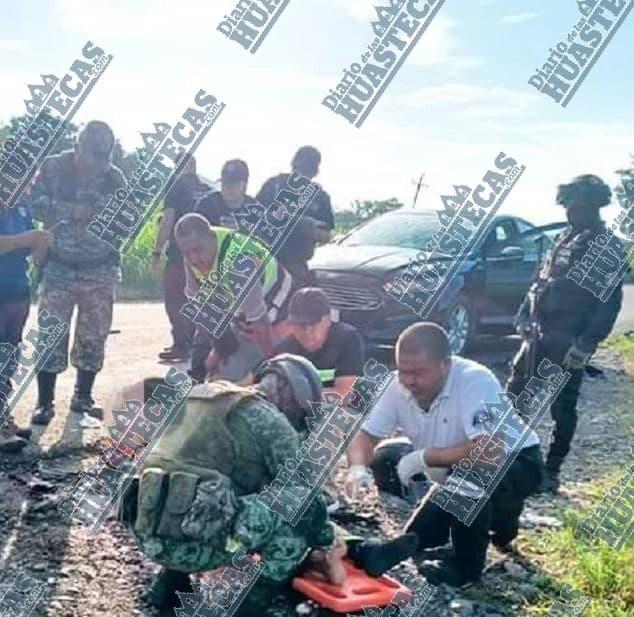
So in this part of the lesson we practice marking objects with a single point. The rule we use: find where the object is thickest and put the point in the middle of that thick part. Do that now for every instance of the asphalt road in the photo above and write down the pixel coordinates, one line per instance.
(625, 320)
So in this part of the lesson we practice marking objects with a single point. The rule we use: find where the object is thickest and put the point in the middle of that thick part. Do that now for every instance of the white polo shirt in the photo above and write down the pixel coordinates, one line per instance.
(455, 415)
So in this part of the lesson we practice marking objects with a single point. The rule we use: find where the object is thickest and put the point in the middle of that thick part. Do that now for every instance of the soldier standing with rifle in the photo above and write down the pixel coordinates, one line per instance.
(81, 270)
(563, 321)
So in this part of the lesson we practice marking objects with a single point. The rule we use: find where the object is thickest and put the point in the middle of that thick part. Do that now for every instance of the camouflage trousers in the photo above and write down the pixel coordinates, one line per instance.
(209, 529)
(93, 297)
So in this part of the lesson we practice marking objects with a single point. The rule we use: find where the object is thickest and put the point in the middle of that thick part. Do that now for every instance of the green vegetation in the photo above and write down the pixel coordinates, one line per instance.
(591, 566)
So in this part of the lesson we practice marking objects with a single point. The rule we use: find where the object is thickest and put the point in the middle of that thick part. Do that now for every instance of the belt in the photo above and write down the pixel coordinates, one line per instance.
(82, 263)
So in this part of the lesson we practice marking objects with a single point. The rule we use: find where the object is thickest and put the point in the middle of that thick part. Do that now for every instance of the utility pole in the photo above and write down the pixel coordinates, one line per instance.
(419, 185)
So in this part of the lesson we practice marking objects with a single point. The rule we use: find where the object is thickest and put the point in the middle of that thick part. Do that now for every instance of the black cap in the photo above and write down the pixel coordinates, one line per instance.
(308, 306)
(234, 171)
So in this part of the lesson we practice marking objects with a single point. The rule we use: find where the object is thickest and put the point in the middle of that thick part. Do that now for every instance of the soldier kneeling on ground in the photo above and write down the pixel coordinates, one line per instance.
(196, 501)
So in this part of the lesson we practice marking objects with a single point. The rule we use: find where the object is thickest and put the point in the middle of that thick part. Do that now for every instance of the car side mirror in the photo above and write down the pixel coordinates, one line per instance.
(512, 252)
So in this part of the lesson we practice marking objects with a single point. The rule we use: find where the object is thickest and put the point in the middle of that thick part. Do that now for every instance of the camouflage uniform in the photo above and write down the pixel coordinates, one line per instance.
(191, 520)
(81, 270)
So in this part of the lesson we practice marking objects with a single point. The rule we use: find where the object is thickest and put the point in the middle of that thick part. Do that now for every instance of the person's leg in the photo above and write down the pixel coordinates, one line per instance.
(182, 327)
(564, 414)
(59, 300)
(201, 347)
(470, 543)
(385, 460)
(13, 315)
(522, 479)
(94, 319)
(430, 523)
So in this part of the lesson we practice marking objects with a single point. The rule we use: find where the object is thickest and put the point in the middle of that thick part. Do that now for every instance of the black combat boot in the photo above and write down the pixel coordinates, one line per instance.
(446, 571)
(45, 409)
(162, 591)
(82, 398)
(550, 483)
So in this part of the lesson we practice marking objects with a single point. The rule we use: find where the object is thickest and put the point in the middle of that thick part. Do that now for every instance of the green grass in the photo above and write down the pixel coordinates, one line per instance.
(567, 556)
(138, 280)
(599, 572)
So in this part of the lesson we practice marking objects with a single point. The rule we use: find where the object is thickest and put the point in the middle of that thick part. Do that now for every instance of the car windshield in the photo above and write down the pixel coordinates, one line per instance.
(402, 229)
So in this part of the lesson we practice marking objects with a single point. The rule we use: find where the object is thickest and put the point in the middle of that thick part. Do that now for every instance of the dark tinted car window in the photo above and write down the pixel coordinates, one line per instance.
(402, 229)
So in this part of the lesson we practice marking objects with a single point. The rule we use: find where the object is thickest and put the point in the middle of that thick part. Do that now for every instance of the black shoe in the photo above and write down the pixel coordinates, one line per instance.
(10, 428)
(378, 556)
(80, 404)
(550, 483)
(43, 414)
(12, 445)
(437, 572)
(174, 353)
(162, 591)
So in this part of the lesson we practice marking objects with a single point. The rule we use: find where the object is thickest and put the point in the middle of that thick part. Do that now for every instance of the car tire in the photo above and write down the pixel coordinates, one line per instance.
(460, 325)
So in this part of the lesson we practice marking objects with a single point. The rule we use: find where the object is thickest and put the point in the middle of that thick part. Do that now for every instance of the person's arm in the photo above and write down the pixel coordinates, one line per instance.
(261, 333)
(349, 364)
(162, 236)
(34, 240)
(446, 457)
(361, 449)
(602, 321)
(41, 199)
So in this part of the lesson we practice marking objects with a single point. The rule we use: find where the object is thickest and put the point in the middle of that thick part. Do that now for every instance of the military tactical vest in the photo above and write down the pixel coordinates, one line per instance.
(198, 440)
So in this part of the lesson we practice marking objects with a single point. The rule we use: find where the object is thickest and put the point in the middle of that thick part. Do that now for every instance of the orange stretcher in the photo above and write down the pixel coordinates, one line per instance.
(358, 590)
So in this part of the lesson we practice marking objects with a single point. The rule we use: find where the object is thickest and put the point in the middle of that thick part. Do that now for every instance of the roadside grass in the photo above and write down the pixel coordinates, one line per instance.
(566, 555)
(624, 343)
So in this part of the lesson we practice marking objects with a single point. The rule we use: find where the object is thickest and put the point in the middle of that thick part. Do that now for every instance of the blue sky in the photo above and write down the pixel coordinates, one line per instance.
(460, 98)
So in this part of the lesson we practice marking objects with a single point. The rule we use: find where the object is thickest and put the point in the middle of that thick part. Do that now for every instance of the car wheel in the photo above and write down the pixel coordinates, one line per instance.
(460, 326)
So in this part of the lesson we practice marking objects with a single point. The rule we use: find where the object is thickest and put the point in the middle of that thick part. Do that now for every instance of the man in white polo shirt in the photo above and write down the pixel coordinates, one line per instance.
(438, 402)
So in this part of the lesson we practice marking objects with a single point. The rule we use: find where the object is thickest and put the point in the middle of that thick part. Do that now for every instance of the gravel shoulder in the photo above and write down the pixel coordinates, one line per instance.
(89, 575)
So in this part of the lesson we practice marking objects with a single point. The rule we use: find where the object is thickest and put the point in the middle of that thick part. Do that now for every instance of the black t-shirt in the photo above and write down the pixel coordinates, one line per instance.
(182, 198)
(299, 246)
(216, 210)
(341, 355)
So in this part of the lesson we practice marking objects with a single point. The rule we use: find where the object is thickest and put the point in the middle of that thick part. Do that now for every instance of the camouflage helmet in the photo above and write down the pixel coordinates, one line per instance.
(300, 377)
(585, 191)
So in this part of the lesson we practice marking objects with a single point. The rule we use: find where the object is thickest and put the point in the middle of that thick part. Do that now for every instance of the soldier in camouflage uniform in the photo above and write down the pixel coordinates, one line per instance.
(182, 512)
(81, 270)
(573, 320)
(196, 502)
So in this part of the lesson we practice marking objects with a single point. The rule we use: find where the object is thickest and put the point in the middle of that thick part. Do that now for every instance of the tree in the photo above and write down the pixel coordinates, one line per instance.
(65, 141)
(363, 211)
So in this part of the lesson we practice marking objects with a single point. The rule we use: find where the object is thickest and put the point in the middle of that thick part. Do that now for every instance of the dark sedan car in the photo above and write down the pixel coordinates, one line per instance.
(483, 296)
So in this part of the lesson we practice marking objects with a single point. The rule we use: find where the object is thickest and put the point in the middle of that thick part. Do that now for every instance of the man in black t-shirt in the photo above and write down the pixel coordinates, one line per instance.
(335, 348)
(315, 226)
(220, 207)
(179, 201)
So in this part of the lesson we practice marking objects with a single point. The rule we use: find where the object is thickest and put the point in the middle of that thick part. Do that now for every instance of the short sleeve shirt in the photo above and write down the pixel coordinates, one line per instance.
(341, 355)
(216, 210)
(299, 247)
(14, 281)
(182, 198)
(455, 416)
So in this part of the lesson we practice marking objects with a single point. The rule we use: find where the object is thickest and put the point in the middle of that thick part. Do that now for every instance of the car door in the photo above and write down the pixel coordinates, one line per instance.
(499, 265)
(534, 245)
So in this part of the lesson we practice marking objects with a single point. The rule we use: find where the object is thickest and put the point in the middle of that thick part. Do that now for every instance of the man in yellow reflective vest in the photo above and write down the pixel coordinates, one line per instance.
(231, 278)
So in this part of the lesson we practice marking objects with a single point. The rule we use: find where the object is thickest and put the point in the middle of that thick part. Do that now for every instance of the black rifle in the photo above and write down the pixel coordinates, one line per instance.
(532, 332)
